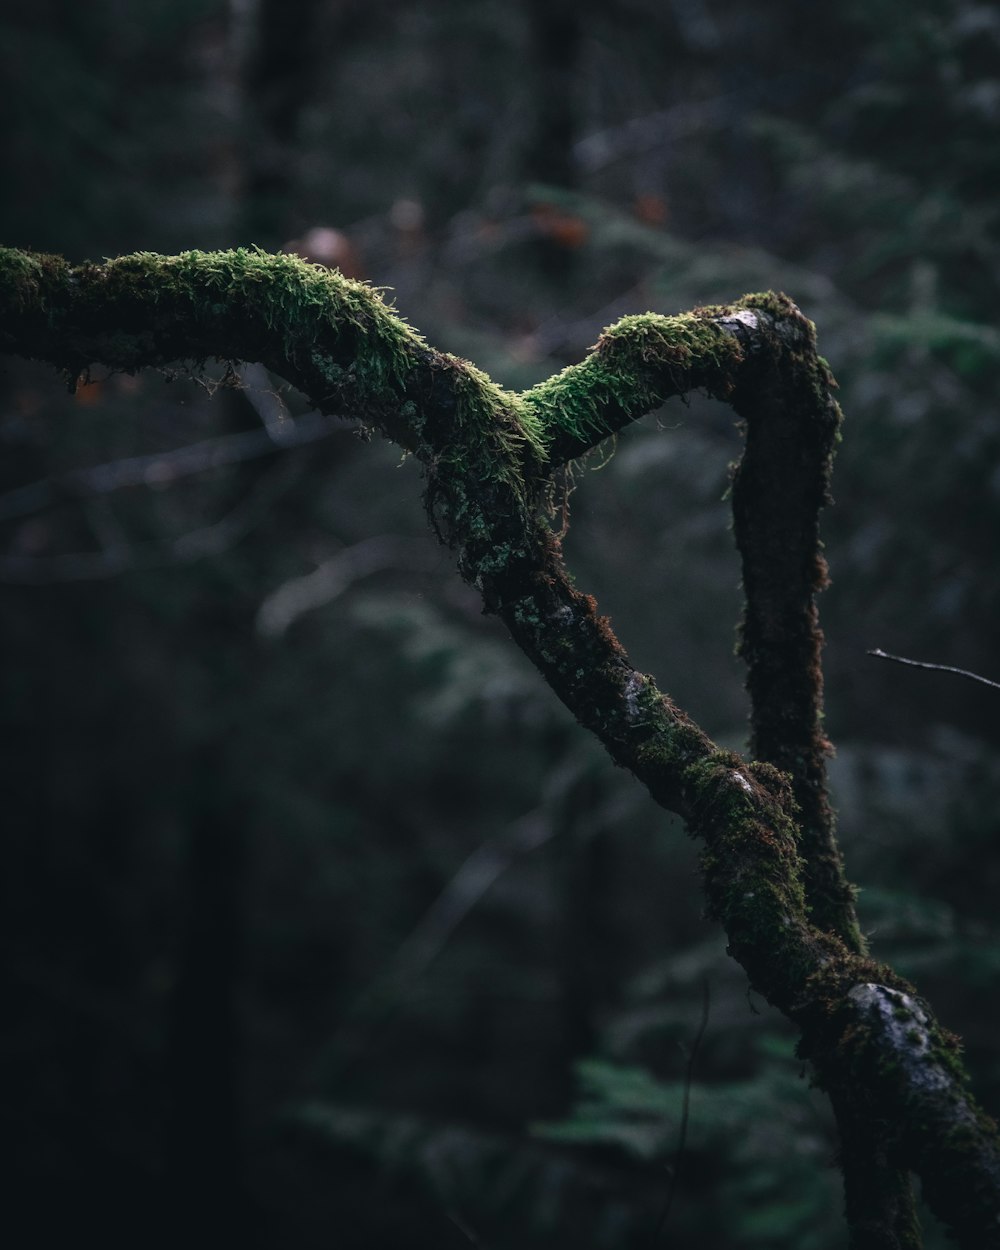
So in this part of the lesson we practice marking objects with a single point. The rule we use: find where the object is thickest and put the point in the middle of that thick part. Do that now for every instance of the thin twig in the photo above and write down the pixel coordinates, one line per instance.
(186, 548)
(685, 1109)
(163, 468)
(463, 1228)
(941, 668)
(287, 602)
(388, 992)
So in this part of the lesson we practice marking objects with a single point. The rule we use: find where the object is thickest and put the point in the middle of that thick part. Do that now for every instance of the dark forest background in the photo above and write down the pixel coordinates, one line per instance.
(324, 925)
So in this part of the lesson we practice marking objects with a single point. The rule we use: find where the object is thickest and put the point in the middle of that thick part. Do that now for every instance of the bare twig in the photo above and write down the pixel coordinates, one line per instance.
(468, 1233)
(299, 595)
(685, 1111)
(119, 557)
(163, 467)
(255, 383)
(659, 129)
(941, 668)
(383, 997)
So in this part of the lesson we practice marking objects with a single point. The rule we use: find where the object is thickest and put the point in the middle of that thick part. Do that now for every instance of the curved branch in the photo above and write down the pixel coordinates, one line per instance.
(333, 338)
(487, 454)
(779, 488)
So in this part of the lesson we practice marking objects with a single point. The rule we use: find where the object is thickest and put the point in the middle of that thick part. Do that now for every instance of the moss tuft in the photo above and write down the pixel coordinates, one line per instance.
(636, 365)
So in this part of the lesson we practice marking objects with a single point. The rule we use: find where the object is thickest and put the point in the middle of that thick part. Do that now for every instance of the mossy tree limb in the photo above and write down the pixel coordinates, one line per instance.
(772, 870)
(791, 422)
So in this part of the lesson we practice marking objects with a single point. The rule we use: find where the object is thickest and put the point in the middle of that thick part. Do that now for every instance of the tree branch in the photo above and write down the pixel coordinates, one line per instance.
(161, 467)
(938, 668)
(780, 485)
(119, 557)
(287, 602)
(487, 455)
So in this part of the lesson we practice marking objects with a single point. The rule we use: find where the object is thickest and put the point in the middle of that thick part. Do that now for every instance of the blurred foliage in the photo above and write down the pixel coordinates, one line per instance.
(305, 931)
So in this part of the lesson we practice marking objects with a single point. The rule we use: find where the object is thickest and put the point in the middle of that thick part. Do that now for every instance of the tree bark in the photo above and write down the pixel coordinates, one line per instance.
(772, 870)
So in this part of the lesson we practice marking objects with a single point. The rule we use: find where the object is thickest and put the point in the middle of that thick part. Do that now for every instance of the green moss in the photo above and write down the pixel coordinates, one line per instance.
(298, 301)
(485, 449)
(752, 869)
(779, 305)
(20, 276)
(29, 282)
(751, 862)
(668, 753)
(336, 337)
(636, 364)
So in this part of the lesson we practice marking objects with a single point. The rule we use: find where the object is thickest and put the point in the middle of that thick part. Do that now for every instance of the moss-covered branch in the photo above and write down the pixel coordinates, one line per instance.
(772, 871)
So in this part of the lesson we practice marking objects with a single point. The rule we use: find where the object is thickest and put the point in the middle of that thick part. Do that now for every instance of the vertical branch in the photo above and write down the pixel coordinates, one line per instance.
(780, 485)
(878, 1197)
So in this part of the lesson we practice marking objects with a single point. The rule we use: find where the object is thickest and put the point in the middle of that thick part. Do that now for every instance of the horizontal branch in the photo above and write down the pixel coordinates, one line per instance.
(333, 338)
(117, 557)
(642, 361)
(487, 452)
(160, 468)
(336, 338)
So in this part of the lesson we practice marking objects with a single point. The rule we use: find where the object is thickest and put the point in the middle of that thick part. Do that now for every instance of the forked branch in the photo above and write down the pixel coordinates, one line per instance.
(772, 870)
